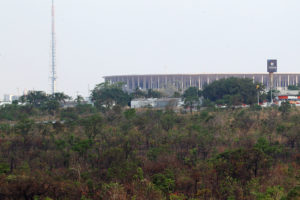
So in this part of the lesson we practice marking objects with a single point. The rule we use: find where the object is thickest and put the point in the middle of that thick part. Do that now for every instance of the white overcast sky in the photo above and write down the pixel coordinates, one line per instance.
(114, 37)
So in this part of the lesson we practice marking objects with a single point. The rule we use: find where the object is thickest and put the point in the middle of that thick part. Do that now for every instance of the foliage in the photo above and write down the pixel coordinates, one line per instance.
(272, 193)
(92, 125)
(232, 91)
(138, 93)
(294, 194)
(191, 98)
(43, 101)
(267, 96)
(153, 94)
(149, 154)
(16, 112)
(164, 181)
(293, 87)
(285, 108)
(106, 95)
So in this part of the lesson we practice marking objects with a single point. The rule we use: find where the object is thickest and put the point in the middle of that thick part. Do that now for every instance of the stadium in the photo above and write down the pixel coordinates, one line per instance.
(184, 81)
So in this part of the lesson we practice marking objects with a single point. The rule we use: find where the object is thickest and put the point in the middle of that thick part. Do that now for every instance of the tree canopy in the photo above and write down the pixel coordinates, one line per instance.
(106, 95)
(150, 154)
(43, 101)
(234, 91)
(191, 98)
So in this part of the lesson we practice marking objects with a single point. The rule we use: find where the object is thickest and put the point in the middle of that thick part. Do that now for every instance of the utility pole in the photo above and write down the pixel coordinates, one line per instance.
(53, 52)
(271, 85)
(272, 67)
(257, 88)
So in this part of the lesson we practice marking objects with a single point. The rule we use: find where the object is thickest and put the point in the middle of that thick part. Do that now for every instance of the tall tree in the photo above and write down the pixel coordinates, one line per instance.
(59, 97)
(154, 94)
(34, 98)
(106, 95)
(191, 98)
(138, 93)
(234, 91)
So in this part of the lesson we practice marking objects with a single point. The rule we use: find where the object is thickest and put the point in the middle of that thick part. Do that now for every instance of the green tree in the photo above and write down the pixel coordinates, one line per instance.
(285, 109)
(153, 94)
(234, 91)
(138, 93)
(164, 181)
(241, 164)
(24, 126)
(106, 95)
(191, 98)
(176, 94)
(59, 97)
(92, 125)
(42, 101)
(79, 99)
(35, 98)
(267, 96)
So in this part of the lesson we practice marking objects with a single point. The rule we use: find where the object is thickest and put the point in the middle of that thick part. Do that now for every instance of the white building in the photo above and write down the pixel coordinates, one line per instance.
(156, 103)
(10, 97)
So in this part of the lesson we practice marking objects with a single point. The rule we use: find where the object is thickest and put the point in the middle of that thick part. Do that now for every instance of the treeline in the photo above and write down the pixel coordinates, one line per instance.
(231, 92)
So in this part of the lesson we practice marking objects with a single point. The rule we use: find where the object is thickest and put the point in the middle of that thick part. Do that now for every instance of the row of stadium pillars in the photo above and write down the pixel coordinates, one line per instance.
(183, 82)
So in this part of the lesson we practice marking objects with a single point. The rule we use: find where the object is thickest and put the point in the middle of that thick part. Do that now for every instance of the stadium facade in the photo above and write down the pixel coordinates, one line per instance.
(184, 81)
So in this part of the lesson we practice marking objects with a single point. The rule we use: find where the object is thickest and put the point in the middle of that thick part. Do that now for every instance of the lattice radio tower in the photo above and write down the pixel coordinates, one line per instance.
(53, 75)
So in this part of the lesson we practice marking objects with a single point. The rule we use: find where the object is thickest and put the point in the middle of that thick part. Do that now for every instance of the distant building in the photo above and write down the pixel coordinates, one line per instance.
(292, 96)
(10, 98)
(156, 103)
(184, 81)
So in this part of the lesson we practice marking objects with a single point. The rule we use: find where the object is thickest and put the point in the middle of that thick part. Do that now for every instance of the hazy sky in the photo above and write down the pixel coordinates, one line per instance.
(111, 37)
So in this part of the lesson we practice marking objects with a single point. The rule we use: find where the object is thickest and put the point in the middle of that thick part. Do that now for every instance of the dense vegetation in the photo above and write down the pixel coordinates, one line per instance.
(111, 152)
(233, 91)
(125, 154)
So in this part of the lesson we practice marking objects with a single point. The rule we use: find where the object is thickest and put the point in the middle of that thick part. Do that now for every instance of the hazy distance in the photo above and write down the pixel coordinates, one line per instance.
(108, 37)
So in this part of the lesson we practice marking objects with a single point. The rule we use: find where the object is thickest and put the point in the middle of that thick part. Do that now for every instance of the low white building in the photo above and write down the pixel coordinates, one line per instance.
(157, 103)
(10, 97)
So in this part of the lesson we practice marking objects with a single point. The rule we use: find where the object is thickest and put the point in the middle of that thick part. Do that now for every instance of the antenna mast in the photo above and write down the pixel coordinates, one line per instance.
(53, 53)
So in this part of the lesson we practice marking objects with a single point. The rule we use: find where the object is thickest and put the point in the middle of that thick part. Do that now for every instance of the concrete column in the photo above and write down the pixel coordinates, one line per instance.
(190, 81)
(173, 81)
(262, 79)
(253, 78)
(166, 82)
(127, 82)
(199, 84)
(182, 82)
(288, 80)
(151, 82)
(294, 80)
(280, 81)
(207, 80)
(158, 83)
(133, 83)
